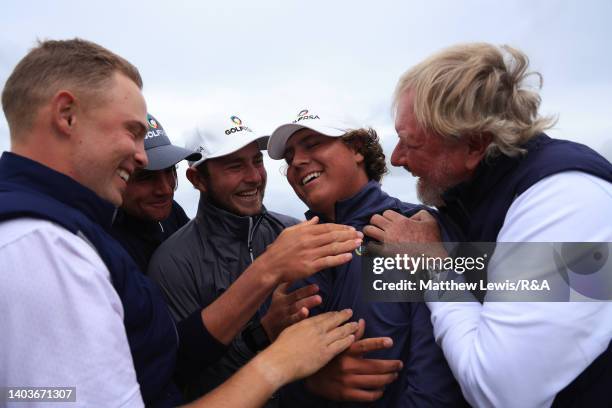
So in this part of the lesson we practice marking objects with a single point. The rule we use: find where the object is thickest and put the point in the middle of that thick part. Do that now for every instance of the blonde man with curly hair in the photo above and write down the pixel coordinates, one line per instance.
(470, 130)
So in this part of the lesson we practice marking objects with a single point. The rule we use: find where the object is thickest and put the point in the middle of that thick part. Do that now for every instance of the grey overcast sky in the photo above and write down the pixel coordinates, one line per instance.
(264, 61)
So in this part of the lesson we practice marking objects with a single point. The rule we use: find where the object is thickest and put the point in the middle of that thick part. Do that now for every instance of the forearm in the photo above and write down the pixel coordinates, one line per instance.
(251, 386)
(518, 354)
(226, 316)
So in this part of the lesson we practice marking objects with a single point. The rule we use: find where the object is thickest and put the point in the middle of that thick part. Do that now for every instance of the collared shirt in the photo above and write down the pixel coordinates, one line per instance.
(29, 189)
(62, 320)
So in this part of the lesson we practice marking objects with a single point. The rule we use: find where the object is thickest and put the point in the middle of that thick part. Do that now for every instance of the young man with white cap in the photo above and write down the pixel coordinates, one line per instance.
(149, 214)
(209, 255)
(335, 169)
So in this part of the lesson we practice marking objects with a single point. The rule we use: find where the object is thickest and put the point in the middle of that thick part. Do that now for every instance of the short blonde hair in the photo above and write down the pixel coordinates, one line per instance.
(74, 64)
(470, 90)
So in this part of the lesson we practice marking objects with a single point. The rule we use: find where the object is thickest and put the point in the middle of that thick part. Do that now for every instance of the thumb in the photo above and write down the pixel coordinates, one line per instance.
(360, 330)
(314, 220)
(282, 288)
(422, 215)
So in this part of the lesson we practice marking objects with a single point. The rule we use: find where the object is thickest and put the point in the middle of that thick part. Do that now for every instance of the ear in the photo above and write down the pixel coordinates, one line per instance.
(196, 179)
(476, 149)
(359, 159)
(64, 108)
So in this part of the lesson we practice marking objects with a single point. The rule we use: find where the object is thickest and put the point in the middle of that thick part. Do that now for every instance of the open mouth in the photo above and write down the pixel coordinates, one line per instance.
(125, 176)
(310, 177)
(248, 194)
(161, 203)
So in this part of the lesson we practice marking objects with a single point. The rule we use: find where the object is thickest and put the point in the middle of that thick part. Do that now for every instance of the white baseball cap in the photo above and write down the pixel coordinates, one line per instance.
(306, 119)
(224, 135)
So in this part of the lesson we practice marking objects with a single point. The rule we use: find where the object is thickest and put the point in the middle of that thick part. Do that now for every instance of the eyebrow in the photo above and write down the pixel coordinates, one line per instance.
(136, 127)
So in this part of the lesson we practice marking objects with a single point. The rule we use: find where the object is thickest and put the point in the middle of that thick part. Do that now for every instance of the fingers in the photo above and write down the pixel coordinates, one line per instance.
(371, 381)
(331, 261)
(283, 288)
(360, 395)
(314, 220)
(360, 330)
(336, 248)
(372, 344)
(320, 240)
(307, 303)
(320, 229)
(340, 345)
(393, 216)
(374, 232)
(370, 366)
(328, 321)
(302, 292)
(422, 215)
(298, 316)
(381, 221)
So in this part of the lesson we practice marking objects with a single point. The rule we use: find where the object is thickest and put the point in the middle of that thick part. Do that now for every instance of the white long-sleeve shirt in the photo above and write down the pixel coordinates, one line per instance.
(61, 320)
(522, 354)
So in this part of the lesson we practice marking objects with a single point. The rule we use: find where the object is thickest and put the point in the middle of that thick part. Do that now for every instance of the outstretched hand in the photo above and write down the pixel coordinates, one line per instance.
(305, 347)
(352, 377)
(306, 248)
(288, 308)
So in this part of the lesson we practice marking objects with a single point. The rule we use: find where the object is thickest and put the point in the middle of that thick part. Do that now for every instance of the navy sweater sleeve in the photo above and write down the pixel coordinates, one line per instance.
(197, 347)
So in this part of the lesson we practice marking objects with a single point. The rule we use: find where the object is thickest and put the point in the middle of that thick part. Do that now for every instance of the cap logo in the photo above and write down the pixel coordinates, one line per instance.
(152, 123)
(303, 115)
(238, 128)
(203, 150)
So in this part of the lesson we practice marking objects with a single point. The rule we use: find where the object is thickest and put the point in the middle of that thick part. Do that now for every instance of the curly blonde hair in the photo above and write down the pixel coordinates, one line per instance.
(471, 90)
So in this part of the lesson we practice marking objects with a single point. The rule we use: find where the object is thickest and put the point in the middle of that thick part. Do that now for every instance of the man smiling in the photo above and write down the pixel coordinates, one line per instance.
(77, 122)
(232, 228)
(336, 172)
(149, 215)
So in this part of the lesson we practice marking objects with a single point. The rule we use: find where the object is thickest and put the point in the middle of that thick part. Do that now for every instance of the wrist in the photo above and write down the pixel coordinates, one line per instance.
(267, 274)
(271, 370)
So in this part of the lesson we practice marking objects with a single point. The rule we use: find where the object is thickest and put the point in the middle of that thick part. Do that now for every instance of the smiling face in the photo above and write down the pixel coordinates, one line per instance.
(149, 194)
(236, 182)
(109, 144)
(323, 170)
(438, 162)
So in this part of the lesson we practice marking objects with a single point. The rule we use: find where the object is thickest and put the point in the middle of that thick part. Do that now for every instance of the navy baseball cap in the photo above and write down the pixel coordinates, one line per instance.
(160, 152)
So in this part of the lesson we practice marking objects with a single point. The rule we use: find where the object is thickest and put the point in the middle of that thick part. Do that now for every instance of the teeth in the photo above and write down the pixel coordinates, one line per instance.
(247, 193)
(310, 176)
(124, 175)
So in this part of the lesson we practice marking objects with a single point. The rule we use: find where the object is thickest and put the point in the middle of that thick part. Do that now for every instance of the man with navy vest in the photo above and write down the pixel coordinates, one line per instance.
(149, 214)
(469, 129)
(76, 311)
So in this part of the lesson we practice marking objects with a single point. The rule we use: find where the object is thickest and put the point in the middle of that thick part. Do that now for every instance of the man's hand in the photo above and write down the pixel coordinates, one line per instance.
(305, 347)
(289, 308)
(393, 228)
(304, 249)
(351, 377)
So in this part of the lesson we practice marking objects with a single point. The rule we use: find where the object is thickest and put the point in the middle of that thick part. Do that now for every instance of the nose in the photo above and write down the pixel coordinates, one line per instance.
(165, 182)
(141, 156)
(300, 157)
(252, 174)
(398, 158)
